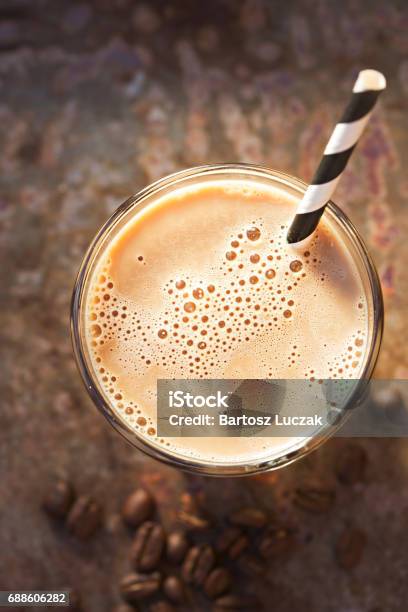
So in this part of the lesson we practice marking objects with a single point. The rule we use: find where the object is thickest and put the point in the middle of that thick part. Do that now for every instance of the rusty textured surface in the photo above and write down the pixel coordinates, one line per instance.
(98, 99)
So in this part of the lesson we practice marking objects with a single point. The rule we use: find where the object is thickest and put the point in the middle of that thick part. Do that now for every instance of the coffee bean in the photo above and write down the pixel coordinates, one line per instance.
(217, 582)
(147, 546)
(176, 547)
(349, 547)
(236, 602)
(173, 588)
(276, 542)
(138, 507)
(197, 564)
(59, 498)
(232, 542)
(85, 517)
(161, 606)
(314, 497)
(249, 517)
(136, 587)
(351, 464)
(192, 521)
(191, 514)
(227, 537)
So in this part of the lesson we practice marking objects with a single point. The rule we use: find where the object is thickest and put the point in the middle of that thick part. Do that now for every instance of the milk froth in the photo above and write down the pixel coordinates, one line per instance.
(201, 283)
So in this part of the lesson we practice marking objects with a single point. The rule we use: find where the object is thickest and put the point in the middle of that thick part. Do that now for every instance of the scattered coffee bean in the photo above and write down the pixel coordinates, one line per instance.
(232, 542)
(85, 517)
(193, 521)
(249, 517)
(177, 546)
(236, 602)
(138, 507)
(173, 588)
(349, 547)
(147, 546)
(351, 464)
(161, 606)
(197, 564)
(136, 587)
(276, 542)
(217, 582)
(59, 498)
(315, 497)
(191, 514)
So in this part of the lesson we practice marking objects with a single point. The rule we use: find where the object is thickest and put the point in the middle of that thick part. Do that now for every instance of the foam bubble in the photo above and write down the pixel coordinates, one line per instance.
(189, 307)
(296, 265)
(253, 233)
(198, 293)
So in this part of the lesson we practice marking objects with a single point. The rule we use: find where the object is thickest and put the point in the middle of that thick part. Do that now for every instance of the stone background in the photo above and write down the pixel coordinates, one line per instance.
(99, 98)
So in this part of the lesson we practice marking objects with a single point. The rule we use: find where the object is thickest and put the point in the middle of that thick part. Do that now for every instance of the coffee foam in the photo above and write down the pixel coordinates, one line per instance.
(202, 284)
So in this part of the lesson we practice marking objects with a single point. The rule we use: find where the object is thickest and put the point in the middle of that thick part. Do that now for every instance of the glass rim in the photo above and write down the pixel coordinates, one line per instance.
(188, 463)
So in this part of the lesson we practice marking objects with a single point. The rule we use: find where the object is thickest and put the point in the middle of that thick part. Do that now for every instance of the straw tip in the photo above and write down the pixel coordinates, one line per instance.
(297, 239)
(370, 80)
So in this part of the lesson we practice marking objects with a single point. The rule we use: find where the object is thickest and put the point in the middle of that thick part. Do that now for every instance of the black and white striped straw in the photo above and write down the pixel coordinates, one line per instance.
(342, 142)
